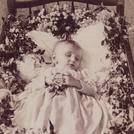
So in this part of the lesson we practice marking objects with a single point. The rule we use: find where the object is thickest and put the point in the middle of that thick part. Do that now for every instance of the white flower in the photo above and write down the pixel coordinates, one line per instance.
(4, 93)
(32, 21)
(65, 15)
(2, 46)
(41, 12)
(12, 30)
(56, 7)
(55, 28)
(65, 6)
(58, 14)
(42, 16)
(38, 18)
(123, 56)
(52, 14)
(49, 30)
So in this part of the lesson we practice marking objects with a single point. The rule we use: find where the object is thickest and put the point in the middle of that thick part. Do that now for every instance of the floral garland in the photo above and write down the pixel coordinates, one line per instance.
(62, 22)
(120, 89)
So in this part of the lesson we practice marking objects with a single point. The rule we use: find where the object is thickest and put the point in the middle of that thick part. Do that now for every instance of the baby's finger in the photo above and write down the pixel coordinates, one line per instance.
(68, 75)
(64, 79)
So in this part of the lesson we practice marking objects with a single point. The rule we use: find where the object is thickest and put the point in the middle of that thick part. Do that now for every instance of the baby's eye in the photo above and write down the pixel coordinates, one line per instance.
(68, 54)
(77, 58)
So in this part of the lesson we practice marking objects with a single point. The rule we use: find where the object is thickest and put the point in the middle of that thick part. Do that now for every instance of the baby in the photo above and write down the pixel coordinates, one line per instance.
(64, 96)
(67, 57)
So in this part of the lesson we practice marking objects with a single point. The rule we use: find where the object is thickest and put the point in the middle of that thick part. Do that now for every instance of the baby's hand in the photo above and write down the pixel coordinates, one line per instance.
(48, 81)
(71, 81)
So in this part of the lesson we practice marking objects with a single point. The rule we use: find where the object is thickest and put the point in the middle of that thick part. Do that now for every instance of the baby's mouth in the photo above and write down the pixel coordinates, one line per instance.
(71, 66)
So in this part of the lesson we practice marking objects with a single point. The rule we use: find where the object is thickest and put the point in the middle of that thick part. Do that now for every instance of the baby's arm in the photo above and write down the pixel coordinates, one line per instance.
(88, 88)
(88, 84)
(81, 85)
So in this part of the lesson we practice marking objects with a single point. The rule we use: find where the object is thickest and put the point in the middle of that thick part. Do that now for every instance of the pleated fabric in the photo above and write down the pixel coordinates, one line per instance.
(70, 112)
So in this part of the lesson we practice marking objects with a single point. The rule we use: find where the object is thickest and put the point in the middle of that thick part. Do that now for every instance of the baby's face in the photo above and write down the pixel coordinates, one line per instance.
(68, 56)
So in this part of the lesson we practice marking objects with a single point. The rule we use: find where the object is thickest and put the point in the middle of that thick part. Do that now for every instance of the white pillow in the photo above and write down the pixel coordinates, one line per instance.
(4, 93)
(27, 68)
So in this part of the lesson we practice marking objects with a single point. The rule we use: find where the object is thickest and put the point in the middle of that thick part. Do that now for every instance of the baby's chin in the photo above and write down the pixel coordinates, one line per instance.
(71, 67)
(67, 67)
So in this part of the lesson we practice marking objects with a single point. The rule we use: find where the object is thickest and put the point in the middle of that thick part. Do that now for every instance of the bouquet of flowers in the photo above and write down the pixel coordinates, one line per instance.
(57, 84)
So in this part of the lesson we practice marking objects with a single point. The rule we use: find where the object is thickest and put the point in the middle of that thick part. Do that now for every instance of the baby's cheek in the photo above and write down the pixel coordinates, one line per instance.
(77, 66)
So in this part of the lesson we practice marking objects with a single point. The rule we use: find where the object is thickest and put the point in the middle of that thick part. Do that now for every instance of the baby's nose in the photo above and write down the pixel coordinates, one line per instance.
(72, 58)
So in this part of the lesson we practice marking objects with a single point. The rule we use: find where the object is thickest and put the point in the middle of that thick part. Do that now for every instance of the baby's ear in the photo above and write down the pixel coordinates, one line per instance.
(53, 56)
(54, 61)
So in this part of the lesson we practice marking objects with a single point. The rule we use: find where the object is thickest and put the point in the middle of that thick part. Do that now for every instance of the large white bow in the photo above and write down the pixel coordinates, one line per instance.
(89, 39)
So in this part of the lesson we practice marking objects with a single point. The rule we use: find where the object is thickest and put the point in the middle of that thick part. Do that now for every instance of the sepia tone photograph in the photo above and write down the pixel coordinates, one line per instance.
(66, 67)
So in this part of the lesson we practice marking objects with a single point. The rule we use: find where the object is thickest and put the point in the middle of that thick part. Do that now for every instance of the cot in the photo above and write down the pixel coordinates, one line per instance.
(13, 5)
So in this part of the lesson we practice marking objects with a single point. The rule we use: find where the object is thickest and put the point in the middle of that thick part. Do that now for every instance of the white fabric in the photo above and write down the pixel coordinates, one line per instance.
(27, 68)
(70, 112)
(4, 93)
(90, 39)
(44, 40)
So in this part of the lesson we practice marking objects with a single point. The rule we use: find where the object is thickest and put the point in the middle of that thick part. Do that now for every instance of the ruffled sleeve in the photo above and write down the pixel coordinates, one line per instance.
(88, 86)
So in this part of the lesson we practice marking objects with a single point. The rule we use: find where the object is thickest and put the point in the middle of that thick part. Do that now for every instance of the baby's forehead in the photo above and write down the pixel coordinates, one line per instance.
(67, 46)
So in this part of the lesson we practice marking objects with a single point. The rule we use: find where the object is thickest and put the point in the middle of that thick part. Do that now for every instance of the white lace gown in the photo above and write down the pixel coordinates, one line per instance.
(71, 112)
